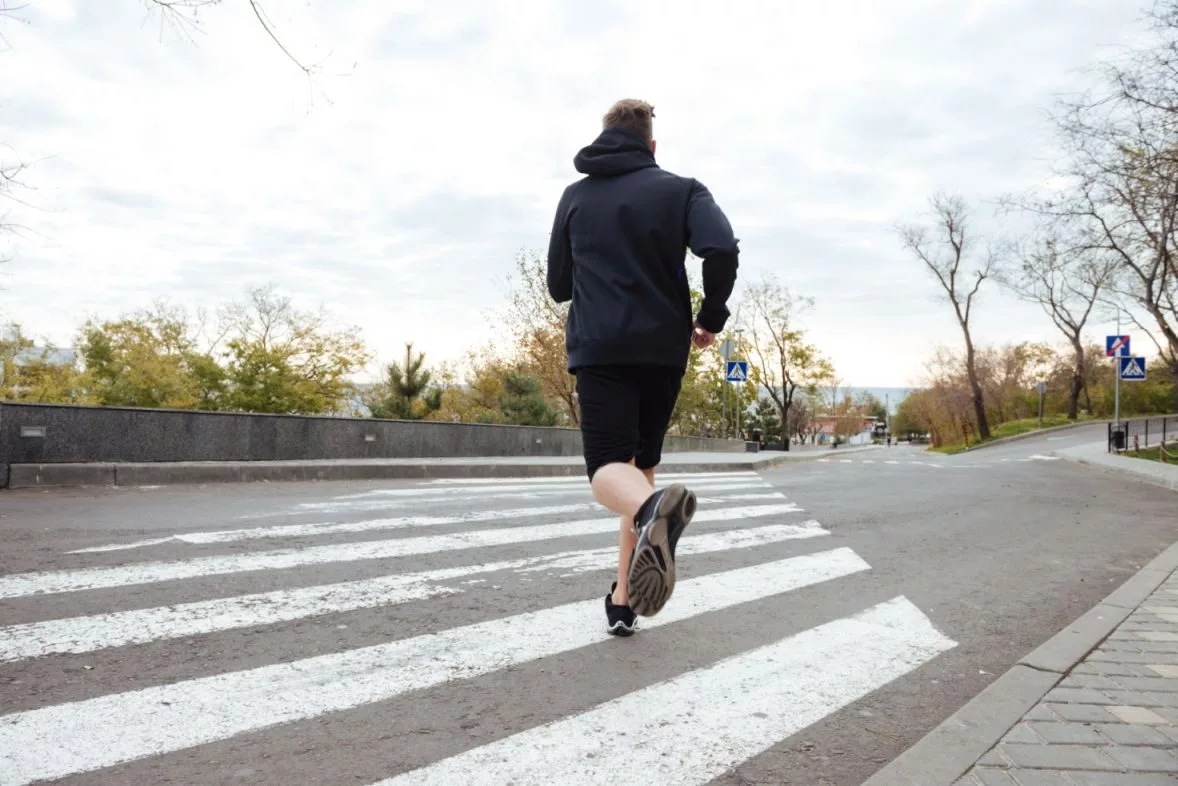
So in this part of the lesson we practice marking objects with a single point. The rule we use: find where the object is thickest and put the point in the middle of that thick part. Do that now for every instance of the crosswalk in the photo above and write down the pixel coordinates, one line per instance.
(443, 552)
(949, 462)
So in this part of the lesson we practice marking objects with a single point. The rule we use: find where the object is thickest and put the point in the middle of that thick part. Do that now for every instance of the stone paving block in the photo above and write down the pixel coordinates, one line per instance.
(1143, 759)
(1163, 647)
(1134, 698)
(1023, 733)
(1120, 779)
(1133, 734)
(1148, 684)
(1056, 733)
(1159, 635)
(993, 759)
(1164, 670)
(1038, 778)
(1138, 715)
(1110, 669)
(1059, 757)
(1105, 656)
(1095, 682)
(1044, 713)
(1082, 713)
(1078, 696)
(987, 777)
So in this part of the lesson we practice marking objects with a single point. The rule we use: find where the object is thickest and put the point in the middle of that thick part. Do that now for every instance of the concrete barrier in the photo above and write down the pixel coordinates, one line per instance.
(43, 434)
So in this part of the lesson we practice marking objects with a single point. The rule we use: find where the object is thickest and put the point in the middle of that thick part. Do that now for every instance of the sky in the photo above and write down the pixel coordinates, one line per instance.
(431, 146)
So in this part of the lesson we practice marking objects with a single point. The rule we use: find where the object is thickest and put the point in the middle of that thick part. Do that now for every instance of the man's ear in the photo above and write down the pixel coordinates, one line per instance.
(653, 145)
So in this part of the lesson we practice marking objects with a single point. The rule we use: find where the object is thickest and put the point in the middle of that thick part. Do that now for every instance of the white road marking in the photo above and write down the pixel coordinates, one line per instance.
(116, 629)
(1038, 457)
(77, 737)
(677, 477)
(372, 525)
(697, 726)
(547, 485)
(421, 497)
(891, 462)
(43, 582)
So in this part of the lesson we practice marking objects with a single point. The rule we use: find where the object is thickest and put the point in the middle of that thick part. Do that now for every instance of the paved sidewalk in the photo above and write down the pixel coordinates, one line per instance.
(1112, 720)
(1097, 455)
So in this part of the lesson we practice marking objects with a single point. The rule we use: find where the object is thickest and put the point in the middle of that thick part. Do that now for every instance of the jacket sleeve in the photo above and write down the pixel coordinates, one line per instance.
(710, 237)
(560, 254)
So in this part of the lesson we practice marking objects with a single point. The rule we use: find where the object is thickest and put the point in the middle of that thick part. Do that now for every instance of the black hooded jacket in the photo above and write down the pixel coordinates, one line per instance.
(618, 250)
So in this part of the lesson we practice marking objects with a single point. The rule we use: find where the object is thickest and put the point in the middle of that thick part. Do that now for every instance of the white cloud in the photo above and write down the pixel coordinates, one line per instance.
(194, 169)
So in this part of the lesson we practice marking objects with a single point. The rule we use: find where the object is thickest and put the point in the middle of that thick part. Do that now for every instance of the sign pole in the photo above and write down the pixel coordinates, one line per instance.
(1117, 374)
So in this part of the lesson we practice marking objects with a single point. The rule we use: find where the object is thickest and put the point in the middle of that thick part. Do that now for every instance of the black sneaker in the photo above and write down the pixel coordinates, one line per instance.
(621, 618)
(660, 522)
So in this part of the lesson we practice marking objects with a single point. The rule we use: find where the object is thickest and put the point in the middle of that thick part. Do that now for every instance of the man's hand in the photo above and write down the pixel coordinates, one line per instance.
(702, 338)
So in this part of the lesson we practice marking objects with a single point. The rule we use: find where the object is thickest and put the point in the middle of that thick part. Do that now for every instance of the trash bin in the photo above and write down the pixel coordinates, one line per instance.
(1119, 439)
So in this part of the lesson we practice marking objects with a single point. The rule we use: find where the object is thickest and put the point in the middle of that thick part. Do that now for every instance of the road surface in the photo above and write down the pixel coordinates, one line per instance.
(452, 632)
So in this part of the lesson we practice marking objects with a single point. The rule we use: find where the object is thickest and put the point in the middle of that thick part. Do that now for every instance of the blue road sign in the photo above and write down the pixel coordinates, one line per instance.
(1116, 346)
(1132, 369)
(738, 371)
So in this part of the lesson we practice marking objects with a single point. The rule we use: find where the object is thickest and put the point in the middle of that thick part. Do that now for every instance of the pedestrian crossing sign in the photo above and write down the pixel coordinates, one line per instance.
(738, 371)
(1132, 369)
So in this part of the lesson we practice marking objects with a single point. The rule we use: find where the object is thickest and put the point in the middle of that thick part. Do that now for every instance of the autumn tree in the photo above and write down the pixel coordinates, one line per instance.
(42, 374)
(1066, 281)
(947, 250)
(785, 363)
(407, 391)
(280, 359)
(149, 358)
(536, 326)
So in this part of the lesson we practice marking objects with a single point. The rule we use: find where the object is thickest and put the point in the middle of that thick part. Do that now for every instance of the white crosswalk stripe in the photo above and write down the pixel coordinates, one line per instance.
(753, 545)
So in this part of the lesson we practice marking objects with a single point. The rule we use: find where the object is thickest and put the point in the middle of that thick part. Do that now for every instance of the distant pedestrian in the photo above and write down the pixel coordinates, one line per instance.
(617, 252)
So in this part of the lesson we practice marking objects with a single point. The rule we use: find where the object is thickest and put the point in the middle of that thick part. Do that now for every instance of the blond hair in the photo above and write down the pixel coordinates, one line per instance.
(633, 115)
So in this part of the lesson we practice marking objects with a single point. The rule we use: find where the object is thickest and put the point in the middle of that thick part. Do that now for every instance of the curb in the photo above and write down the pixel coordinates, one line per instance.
(946, 753)
(27, 476)
(1032, 434)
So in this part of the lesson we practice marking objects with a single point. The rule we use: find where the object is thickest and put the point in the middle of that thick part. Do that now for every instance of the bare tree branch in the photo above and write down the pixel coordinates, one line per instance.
(946, 258)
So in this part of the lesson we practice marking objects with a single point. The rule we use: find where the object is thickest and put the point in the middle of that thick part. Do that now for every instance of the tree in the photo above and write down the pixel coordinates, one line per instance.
(184, 15)
(42, 374)
(150, 358)
(281, 360)
(1066, 282)
(1118, 173)
(406, 392)
(784, 362)
(522, 402)
(946, 258)
(537, 327)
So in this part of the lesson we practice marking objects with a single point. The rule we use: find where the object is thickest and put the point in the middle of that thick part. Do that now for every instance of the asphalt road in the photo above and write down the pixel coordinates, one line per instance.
(828, 615)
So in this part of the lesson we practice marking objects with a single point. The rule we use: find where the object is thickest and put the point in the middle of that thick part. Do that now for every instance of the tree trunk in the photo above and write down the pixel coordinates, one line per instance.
(979, 404)
(1077, 380)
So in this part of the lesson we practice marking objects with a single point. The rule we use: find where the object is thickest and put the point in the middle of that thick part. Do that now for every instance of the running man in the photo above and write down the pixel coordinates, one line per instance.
(617, 252)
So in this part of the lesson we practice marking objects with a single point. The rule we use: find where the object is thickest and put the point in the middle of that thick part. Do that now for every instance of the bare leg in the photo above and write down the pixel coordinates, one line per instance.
(623, 488)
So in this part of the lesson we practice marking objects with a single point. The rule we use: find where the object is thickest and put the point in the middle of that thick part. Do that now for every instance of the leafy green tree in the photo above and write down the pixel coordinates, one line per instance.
(280, 359)
(148, 359)
(37, 374)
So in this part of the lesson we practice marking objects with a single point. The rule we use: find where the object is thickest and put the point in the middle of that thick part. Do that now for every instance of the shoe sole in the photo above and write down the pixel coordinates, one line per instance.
(620, 629)
(652, 568)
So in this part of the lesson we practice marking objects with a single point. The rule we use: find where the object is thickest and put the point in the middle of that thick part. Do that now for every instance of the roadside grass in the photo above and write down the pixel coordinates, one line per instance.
(1011, 428)
(1155, 453)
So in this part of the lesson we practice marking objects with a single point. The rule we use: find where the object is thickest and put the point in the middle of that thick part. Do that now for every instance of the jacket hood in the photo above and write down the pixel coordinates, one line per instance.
(613, 153)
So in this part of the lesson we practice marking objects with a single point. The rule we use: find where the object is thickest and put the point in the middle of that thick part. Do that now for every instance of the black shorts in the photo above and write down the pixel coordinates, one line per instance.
(625, 411)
